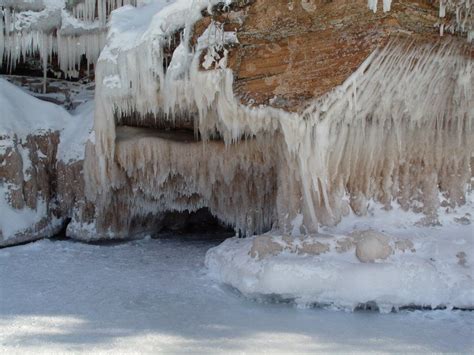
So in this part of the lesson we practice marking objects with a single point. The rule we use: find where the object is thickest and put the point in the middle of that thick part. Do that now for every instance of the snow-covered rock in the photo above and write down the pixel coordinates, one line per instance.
(426, 267)
(41, 154)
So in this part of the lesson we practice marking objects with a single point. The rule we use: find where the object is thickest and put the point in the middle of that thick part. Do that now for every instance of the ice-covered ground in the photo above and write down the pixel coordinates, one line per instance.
(155, 296)
(388, 259)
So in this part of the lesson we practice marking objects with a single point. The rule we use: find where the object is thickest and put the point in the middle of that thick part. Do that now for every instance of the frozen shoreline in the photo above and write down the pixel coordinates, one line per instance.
(155, 296)
(387, 260)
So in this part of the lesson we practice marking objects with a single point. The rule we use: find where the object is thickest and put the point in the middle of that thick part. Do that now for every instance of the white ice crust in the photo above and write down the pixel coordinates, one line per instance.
(427, 266)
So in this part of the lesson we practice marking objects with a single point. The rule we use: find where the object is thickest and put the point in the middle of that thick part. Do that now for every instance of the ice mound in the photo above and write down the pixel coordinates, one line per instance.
(433, 268)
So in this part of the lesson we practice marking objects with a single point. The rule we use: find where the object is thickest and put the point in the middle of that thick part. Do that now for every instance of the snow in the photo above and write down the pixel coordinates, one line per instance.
(154, 296)
(12, 220)
(76, 133)
(421, 266)
(22, 114)
(68, 94)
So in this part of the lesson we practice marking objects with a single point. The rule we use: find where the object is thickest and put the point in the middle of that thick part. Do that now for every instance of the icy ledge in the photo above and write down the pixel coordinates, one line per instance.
(387, 268)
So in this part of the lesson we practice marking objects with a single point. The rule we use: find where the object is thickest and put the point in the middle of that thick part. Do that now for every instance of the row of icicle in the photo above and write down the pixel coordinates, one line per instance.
(71, 31)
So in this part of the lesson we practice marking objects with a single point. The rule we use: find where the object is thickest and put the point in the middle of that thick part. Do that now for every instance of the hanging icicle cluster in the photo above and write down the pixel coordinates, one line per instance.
(463, 17)
(72, 30)
(90, 10)
(461, 10)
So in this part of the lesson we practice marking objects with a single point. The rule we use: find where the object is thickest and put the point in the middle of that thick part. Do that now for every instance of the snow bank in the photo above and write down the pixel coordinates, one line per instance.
(425, 267)
(22, 115)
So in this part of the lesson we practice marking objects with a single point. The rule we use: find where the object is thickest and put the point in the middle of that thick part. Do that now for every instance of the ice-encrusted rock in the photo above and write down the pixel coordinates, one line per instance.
(263, 246)
(26, 176)
(313, 248)
(296, 105)
(437, 274)
(405, 245)
(312, 97)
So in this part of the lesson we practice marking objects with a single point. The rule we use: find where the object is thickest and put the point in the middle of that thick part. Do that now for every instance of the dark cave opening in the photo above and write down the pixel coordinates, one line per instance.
(192, 225)
(200, 224)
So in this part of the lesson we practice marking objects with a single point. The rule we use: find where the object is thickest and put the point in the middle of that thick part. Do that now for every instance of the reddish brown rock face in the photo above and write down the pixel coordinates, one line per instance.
(291, 51)
(32, 174)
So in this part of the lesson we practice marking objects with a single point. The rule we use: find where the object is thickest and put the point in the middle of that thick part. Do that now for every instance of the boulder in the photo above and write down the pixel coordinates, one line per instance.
(372, 246)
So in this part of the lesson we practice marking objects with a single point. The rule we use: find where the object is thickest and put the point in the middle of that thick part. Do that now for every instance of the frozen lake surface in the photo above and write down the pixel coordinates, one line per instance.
(155, 296)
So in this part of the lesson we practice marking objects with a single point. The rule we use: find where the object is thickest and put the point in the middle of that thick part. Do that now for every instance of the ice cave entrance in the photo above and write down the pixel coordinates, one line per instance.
(187, 223)
(166, 166)
(198, 224)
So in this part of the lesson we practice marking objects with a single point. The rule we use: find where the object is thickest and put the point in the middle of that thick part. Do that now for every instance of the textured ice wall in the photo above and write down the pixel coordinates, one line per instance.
(163, 172)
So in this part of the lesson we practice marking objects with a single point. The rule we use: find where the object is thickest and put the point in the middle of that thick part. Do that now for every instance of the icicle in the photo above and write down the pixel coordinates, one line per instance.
(2, 36)
(442, 9)
(23, 38)
(372, 4)
(44, 57)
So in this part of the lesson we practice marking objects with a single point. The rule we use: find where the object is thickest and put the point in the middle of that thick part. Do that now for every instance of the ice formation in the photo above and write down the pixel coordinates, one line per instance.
(76, 29)
(72, 30)
(355, 265)
(399, 129)
(463, 16)
(462, 11)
